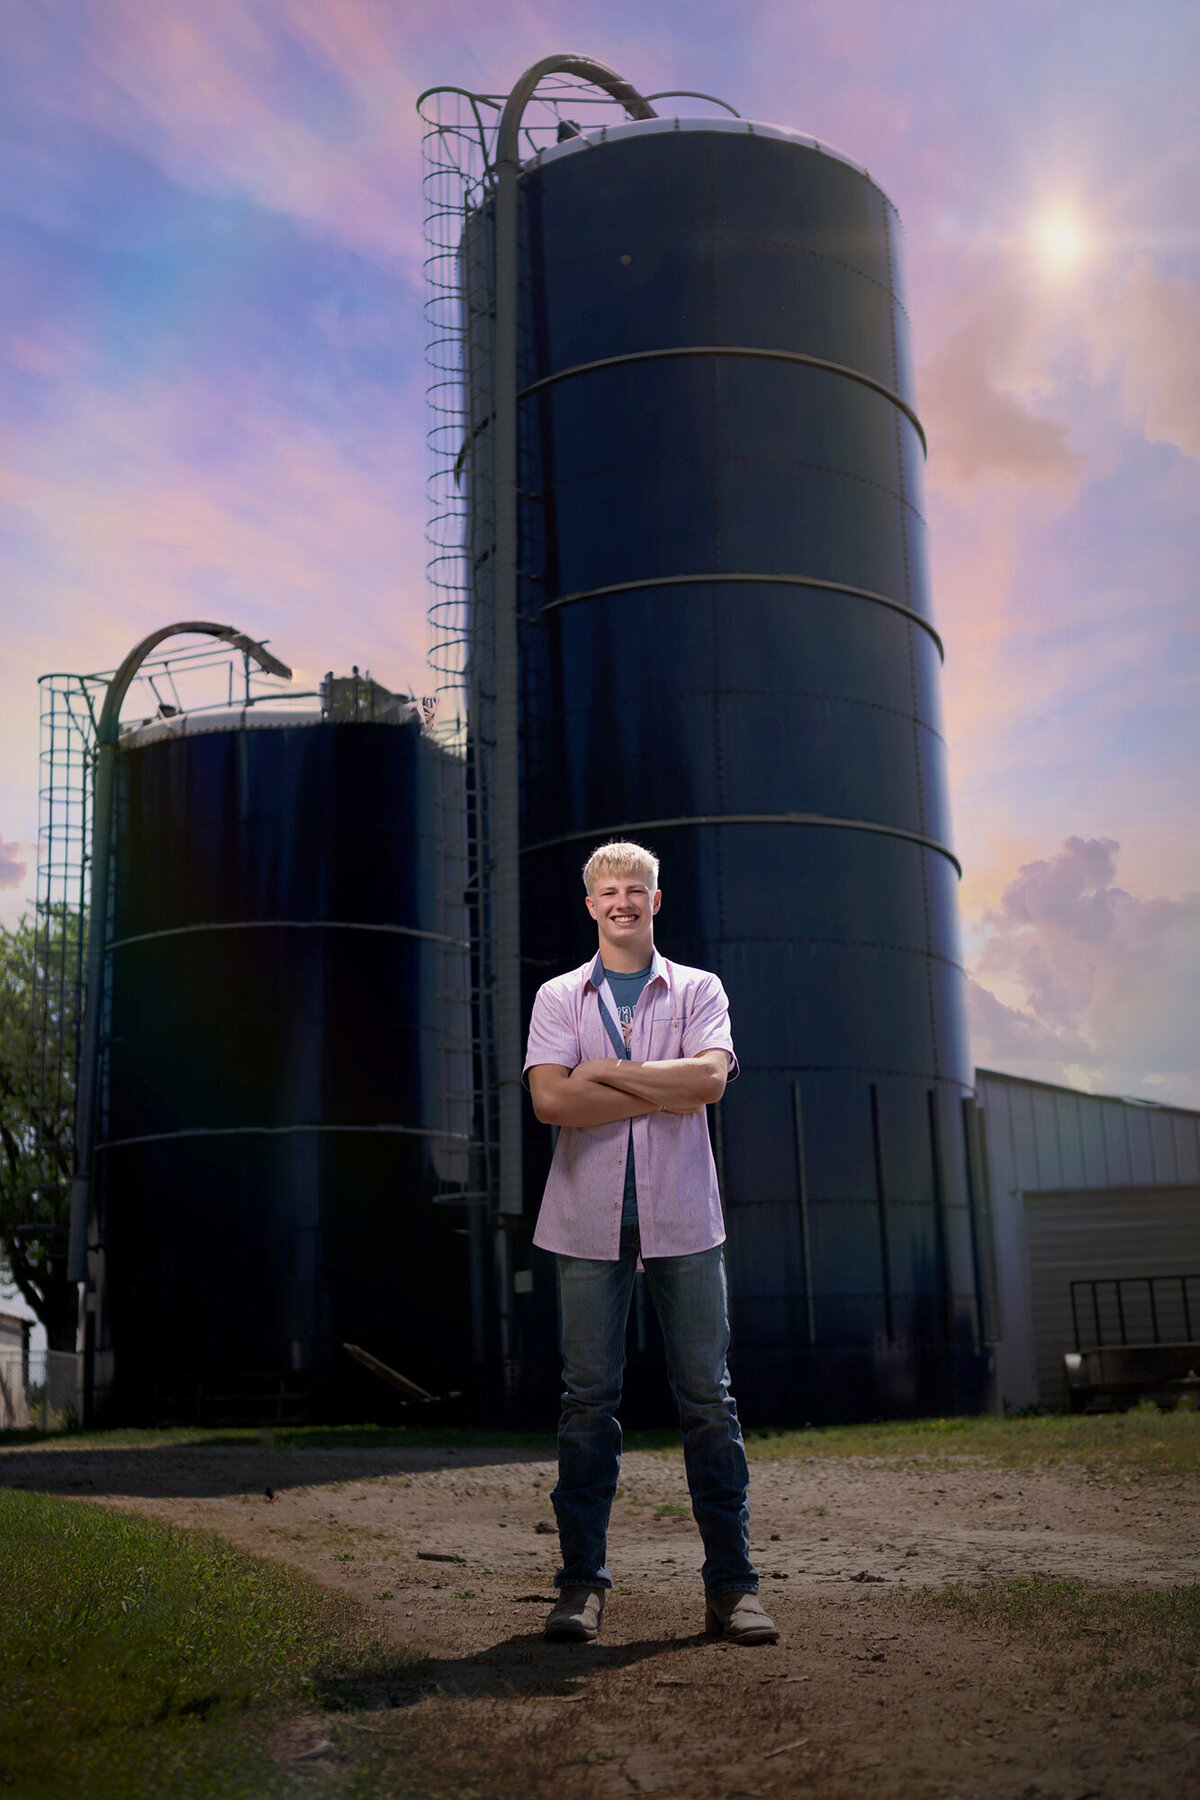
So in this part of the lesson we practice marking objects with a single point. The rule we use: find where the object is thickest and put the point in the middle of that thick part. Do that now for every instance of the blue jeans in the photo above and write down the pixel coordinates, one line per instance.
(690, 1300)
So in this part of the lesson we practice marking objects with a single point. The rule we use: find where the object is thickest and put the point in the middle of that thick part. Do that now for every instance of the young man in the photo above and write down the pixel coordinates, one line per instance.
(624, 1055)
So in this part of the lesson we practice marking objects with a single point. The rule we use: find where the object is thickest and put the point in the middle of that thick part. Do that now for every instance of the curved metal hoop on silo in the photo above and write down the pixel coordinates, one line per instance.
(788, 356)
(603, 833)
(725, 576)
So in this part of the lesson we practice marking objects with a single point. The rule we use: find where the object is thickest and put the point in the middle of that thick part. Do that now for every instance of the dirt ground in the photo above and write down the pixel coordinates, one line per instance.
(868, 1693)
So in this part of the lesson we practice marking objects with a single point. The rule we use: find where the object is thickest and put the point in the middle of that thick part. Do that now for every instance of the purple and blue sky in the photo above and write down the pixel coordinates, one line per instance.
(212, 381)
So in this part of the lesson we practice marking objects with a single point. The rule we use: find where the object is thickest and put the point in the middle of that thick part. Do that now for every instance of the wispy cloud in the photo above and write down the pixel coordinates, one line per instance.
(121, 515)
(126, 512)
(305, 109)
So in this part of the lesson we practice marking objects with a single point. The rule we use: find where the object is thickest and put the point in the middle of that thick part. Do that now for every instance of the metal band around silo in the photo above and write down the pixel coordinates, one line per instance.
(788, 356)
(809, 581)
(147, 937)
(225, 1131)
(600, 832)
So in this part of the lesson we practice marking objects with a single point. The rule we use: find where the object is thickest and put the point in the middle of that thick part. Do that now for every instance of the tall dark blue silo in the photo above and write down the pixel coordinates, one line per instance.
(274, 1124)
(726, 652)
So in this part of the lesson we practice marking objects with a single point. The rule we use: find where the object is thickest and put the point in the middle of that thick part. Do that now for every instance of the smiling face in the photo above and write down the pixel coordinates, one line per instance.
(623, 906)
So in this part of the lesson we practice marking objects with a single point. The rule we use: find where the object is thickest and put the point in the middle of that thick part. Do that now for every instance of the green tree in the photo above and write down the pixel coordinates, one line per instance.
(38, 1033)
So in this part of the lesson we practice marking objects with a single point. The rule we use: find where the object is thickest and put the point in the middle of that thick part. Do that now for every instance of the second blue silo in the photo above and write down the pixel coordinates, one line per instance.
(727, 653)
(278, 1118)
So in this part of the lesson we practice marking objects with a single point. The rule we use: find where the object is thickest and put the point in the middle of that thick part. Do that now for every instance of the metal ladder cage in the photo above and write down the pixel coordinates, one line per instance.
(458, 152)
(458, 182)
(70, 707)
(186, 680)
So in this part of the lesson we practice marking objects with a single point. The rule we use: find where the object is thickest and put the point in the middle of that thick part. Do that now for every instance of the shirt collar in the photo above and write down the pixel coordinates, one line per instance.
(660, 970)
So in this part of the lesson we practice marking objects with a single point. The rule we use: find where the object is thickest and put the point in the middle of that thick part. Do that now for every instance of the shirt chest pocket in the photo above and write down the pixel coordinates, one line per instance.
(665, 1038)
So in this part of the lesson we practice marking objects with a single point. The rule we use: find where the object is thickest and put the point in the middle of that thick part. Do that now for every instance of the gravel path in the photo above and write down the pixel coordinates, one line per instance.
(455, 1553)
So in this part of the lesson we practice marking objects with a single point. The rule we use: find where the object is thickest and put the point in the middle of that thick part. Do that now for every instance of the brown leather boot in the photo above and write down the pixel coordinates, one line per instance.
(577, 1616)
(740, 1618)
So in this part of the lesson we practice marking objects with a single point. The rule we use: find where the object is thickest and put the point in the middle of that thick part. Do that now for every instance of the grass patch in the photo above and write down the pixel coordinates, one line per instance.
(139, 1662)
(1144, 1440)
(1103, 1643)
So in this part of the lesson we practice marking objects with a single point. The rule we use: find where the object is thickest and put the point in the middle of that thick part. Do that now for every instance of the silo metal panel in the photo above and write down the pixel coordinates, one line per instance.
(847, 1250)
(622, 445)
(726, 227)
(839, 1161)
(913, 1252)
(960, 1253)
(767, 1259)
(694, 712)
(759, 1140)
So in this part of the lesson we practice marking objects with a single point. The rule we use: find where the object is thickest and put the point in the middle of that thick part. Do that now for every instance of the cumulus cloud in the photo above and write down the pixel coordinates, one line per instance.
(12, 866)
(980, 424)
(1076, 975)
(1150, 334)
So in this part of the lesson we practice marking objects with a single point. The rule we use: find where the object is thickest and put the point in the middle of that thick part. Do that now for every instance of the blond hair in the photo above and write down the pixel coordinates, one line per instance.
(620, 858)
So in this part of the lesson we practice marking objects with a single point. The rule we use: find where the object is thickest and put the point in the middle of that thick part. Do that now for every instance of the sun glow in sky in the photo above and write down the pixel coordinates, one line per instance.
(212, 382)
(1061, 241)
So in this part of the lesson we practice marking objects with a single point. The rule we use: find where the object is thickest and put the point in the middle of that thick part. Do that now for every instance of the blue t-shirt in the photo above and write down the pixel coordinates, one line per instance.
(626, 990)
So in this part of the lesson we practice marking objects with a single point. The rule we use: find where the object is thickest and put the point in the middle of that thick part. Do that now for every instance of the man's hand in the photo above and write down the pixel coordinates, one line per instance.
(683, 1084)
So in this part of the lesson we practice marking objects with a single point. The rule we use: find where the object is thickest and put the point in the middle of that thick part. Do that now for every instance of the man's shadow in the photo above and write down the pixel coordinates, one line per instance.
(521, 1667)
(216, 1468)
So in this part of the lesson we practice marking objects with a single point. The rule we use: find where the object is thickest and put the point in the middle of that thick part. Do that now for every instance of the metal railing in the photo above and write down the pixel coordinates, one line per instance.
(1135, 1309)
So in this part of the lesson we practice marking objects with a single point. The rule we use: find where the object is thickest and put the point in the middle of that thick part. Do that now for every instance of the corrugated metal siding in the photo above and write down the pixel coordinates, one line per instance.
(1187, 1146)
(1162, 1147)
(1074, 1161)
(1047, 1150)
(1137, 1125)
(1043, 1139)
(1014, 1351)
(1090, 1234)
(1116, 1143)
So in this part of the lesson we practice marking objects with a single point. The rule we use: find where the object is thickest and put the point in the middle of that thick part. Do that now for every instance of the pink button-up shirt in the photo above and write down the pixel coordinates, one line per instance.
(679, 1013)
